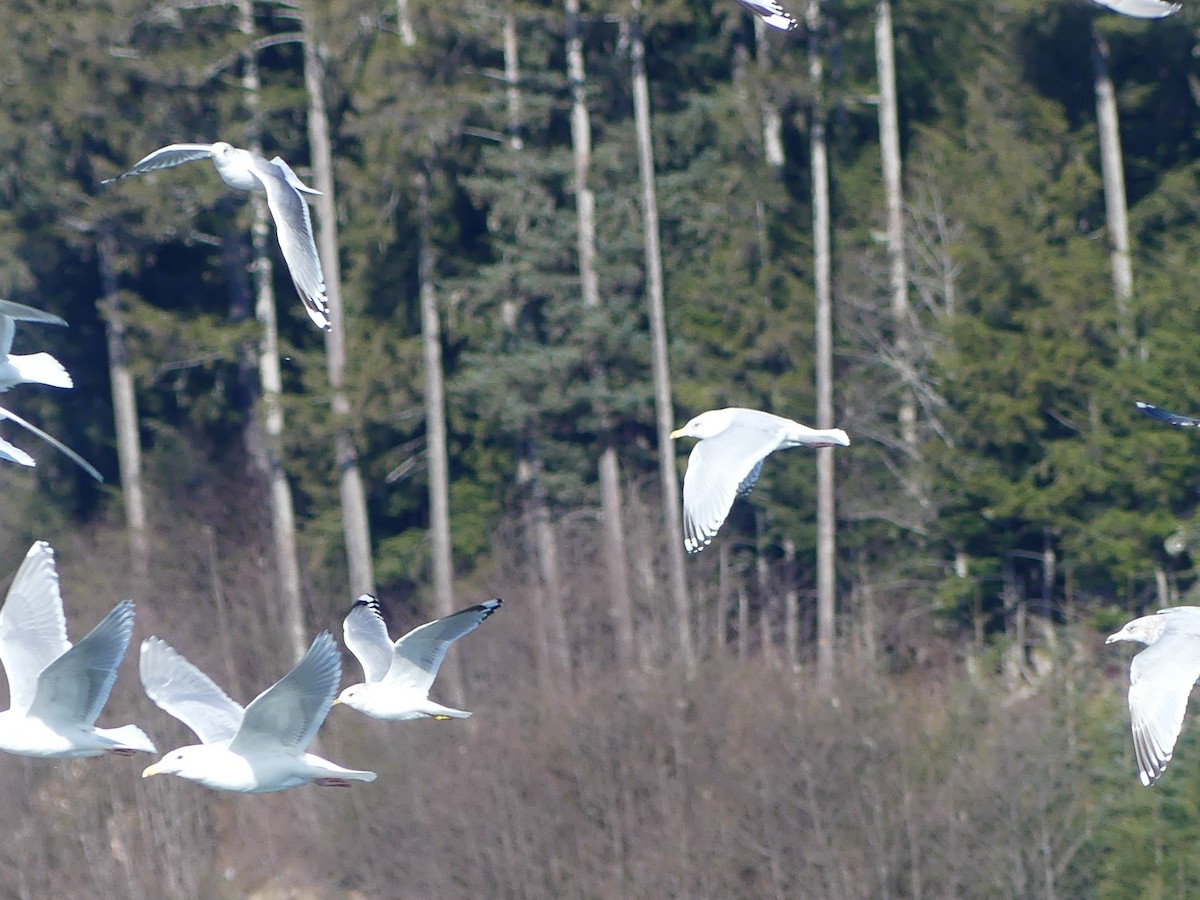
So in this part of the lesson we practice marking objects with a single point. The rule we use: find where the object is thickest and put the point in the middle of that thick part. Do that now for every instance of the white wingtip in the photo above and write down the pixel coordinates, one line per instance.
(41, 368)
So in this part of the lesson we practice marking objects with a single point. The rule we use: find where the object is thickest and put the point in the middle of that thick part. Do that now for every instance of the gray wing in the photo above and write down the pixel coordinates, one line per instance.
(166, 158)
(771, 13)
(720, 468)
(286, 715)
(1141, 9)
(293, 228)
(53, 442)
(365, 634)
(23, 313)
(1160, 681)
(14, 454)
(179, 689)
(74, 688)
(33, 630)
(419, 654)
(1161, 415)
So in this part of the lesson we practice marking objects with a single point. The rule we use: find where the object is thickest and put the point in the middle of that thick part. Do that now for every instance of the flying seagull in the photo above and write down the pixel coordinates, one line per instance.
(726, 462)
(1162, 415)
(772, 13)
(1160, 680)
(398, 676)
(248, 171)
(57, 691)
(1141, 9)
(256, 750)
(37, 368)
(14, 454)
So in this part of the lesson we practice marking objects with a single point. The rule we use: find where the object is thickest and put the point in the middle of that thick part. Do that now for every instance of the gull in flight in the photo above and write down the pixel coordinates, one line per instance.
(398, 676)
(256, 750)
(248, 171)
(1141, 9)
(772, 13)
(34, 368)
(728, 458)
(57, 691)
(1162, 415)
(17, 455)
(1160, 681)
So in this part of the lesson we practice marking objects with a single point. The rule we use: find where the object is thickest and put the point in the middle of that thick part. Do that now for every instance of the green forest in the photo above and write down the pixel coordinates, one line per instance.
(500, 210)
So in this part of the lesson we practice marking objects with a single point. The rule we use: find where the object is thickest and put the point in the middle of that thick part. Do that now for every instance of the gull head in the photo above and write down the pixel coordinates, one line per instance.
(1145, 630)
(222, 148)
(706, 425)
(355, 697)
(186, 762)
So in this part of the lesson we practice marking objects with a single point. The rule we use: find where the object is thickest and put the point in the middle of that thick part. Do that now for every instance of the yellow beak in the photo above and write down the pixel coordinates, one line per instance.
(677, 433)
(155, 769)
(336, 701)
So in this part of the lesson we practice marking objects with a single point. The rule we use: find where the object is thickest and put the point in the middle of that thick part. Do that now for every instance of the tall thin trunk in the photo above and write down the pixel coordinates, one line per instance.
(435, 430)
(283, 515)
(616, 556)
(408, 35)
(772, 121)
(826, 523)
(125, 414)
(355, 525)
(1113, 171)
(663, 409)
(889, 148)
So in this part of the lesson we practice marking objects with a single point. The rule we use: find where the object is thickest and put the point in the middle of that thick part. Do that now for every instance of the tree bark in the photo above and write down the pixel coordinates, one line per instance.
(355, 525)
(663, 409)
(772, 122)
(826, 522)
(1113, 172)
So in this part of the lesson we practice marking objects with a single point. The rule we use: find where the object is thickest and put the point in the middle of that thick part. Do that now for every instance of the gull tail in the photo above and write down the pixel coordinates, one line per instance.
(819, 437)
(128, 738)
(41, 368)
(292, 178)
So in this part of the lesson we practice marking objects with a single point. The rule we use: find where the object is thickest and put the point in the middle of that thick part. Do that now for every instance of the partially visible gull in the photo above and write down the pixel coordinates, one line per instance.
(1141, 9)
(257, 750)
(248, 171)
(37, 368)
(1162, 415)
(771, 13)
(726, 462)
(1160, 681)
(14, 454)
(398, 676)
(57, 691)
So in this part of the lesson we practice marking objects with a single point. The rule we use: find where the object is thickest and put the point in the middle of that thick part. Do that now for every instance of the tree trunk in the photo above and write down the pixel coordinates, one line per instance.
(664, 411)
(1113, 171)
(826, 524)
(125, 414)
(408, 36)
(355, 525)
(889, 148)
(772, 122)
(616, 556)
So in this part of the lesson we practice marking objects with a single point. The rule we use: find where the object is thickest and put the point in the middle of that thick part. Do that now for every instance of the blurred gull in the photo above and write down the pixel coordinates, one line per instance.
(727, 460)
(1141, 9)
(14, 454)
(398, 676)
(1161, 415)
(56, 690)
(248, 171)
(1160, 681)
(36, 368)
(772, 13)
(256, 750)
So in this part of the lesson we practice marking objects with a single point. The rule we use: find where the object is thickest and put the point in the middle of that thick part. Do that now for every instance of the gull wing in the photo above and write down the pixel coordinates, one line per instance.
(53, 442)
(419, 654)
(293, 228)
(1162, 415)
(1141, 9)
(771, 13)
(74, 688)
(1160, 681)
(366, 637)
(720, 468)
(14, 454)
(285, 716)
(23, 313)
(179, 689)
(33, 629)
(166, 158)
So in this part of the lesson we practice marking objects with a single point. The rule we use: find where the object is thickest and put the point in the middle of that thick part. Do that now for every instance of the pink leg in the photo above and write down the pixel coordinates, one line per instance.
(333, 782)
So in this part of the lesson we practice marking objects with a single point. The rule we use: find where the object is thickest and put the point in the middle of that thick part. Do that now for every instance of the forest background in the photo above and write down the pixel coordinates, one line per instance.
(482, 421)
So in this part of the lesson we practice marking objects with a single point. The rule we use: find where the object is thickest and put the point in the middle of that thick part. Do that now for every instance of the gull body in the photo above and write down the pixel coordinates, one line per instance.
(1161, 415)
(1160, 682)
(32, 368)
(725, 464)
(399, 675)
(57, 690)
(256, 750)
(1141, 9)
(248, 171)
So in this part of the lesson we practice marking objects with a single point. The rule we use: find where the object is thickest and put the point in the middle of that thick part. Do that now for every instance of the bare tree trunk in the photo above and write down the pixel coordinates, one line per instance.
(1113, 171)
(772, 122)
(283, 516)
(791, 612)
(889, 148)
(615, 554)
(125, 415)
(408, 36)
(355, 525)
(664, 411)
(435, 433)
(826, 523)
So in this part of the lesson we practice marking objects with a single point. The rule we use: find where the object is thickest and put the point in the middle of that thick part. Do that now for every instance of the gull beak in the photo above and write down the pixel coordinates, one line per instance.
(155, 769)
(677, 433)
(336, 701)
(1114, 637)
